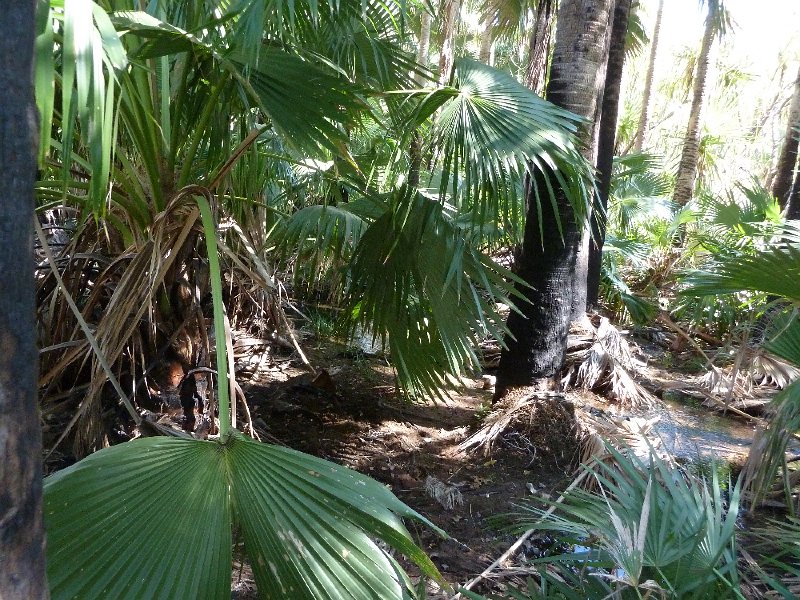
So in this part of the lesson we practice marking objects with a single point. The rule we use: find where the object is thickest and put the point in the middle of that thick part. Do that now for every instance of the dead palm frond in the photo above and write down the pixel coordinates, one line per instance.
(150, 300)
(602, 362)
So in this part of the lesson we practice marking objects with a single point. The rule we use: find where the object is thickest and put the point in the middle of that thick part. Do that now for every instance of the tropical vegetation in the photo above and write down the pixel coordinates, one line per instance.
(206, 168)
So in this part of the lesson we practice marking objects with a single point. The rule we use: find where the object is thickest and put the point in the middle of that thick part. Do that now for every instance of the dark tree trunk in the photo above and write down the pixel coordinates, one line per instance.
(793, 203)
(547, 262)
(605, 146)
(22, 570)
(782, 185)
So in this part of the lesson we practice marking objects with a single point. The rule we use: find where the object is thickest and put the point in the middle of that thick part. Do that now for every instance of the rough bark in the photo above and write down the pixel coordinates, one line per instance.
(606, 142)
(547, 262)
(539, 46)
(782, 184)
(644, 116)
(687, 169)
(424, 41)
(450, 11)
(793, 204)
(22, 572)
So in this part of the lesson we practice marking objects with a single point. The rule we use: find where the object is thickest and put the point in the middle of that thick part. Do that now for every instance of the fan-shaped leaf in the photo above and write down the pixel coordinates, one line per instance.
(152, 519)
(493, 131)
(146, 519)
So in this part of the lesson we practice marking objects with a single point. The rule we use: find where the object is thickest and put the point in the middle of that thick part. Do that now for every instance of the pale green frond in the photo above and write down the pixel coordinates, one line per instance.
(775, 271)
(684, 528)
(79, 37)
(768, 451)
(779, 543)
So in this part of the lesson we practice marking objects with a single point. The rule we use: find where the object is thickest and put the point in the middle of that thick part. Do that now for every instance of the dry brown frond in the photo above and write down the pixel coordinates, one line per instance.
(141, 301)
(768, 369)
(601, 360)
(542, 424)
(449, 496)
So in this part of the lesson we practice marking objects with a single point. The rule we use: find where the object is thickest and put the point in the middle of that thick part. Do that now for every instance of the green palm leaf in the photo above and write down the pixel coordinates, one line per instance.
(89, 50)
(775, 271)
(307, 105)
(153, 518)
(123, 523)
(414, 279)
(491, 130)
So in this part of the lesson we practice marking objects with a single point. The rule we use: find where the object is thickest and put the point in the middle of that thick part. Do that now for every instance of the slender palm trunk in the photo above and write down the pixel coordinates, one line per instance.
(22, 567)
(644, 116)
(450, 11)
(687, 170)
(793, 203)
(605, 146)
(782, 184)
(539, 46)
(485, 55)
(547, 262)
(415, 151)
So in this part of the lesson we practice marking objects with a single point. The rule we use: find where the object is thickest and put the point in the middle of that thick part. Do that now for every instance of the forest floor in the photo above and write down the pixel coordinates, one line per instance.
(354, 417)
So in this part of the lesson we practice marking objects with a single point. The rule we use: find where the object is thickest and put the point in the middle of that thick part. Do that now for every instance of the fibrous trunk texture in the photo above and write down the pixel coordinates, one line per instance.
(644, 116)
(415, 152)
(787, 161)
(793, 204)
(485, 55)
(22, 572)
(539, 46)
(606, 140)
(450, 11)
(687, 170)
(547, 262)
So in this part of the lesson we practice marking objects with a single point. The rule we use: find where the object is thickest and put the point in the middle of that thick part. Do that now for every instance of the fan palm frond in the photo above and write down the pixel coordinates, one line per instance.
(775, 270)
(491, 131)
(679, 530)
(414, 279)
(308, 524)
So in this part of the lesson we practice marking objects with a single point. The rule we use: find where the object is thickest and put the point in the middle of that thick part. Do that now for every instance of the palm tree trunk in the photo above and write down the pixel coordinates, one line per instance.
(539, 47)
(415, 151)
(793, 203)
(547, 262)
(22, 567)
(450, 11)
(485, 54)
(605, 145)
(687, 170)
(644, 117)
(782, 184)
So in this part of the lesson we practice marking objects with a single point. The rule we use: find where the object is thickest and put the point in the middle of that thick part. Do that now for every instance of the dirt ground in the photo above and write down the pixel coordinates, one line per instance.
(355, 418)
(351, 414)
(412, 448)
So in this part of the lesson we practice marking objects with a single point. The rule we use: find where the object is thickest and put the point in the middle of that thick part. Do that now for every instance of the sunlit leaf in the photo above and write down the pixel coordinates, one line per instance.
(153, 518)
